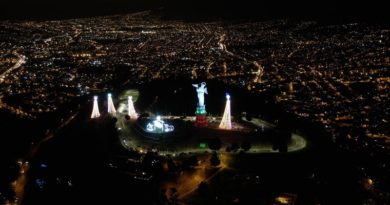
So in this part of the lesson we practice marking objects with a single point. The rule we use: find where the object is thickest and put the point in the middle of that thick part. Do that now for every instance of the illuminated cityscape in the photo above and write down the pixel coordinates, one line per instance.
(111, 108)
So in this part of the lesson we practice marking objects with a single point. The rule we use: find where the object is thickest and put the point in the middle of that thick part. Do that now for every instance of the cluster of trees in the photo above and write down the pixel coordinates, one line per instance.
(215, 144)
(280, 141)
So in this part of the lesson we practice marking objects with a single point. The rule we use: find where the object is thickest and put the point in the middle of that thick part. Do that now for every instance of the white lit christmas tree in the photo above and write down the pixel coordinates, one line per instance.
(226, 122)
(110, 104)
(130, 108)
(95, 109)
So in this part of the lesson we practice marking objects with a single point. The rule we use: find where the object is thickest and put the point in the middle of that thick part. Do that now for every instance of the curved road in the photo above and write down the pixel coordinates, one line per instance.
(260, 69)
(129, 141)
(18, 64)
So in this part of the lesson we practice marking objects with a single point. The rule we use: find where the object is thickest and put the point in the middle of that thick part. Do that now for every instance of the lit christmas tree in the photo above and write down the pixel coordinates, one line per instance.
(226, 122)
(110, 104)
(95, 109)
(130, 108)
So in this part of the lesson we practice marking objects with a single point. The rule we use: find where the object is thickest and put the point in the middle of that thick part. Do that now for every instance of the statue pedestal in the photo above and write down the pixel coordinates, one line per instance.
(201, 118)
(201, 121)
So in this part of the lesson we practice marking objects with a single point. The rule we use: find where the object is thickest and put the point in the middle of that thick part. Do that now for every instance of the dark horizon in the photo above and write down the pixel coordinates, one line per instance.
(196, 9)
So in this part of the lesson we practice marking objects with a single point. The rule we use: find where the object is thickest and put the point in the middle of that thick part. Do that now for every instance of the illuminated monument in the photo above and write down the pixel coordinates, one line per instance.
(95, 109)
(226, 122)
(110, 104)
(201, 119)
(159, 126)
(130, 108)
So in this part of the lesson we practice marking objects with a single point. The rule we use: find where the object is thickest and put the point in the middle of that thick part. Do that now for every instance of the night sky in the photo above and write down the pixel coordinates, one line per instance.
(372, 10)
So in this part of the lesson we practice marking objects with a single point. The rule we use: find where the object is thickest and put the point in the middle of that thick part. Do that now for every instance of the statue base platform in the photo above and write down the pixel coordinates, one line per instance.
(201, 121)
(201, 118)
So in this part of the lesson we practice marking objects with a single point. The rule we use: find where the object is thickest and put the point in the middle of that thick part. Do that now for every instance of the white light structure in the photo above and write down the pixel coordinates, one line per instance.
(110, 104)
(95, 109)
(226, 122)
(201, 90)
(201, 119)
(159, 126)
(130, 108)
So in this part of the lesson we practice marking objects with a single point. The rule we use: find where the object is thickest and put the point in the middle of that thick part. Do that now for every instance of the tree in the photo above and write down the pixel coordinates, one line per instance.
(214, 160)
(283, 148)
(190, 162)
(234, 147)
(114, 120)
(144, 115)
(274, 146)
(215, 144)
(248, 117)
(246, 145)
(173, 196)
(163, 199)
(228, 149)
(203, 188)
